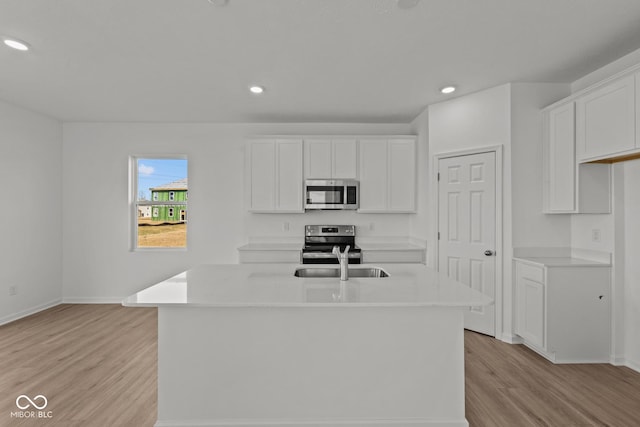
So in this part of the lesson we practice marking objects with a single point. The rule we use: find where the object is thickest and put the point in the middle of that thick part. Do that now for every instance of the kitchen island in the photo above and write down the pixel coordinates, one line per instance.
(253, 345)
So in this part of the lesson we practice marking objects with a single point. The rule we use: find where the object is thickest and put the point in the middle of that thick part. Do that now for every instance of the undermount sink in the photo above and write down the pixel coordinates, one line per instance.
(335, 272)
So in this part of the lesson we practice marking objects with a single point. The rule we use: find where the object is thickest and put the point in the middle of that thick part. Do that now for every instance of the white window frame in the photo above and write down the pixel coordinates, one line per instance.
(133, 200)
(172, 196)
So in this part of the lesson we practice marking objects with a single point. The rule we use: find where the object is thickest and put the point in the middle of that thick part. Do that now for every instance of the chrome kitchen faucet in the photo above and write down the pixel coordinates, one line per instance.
(343, 259)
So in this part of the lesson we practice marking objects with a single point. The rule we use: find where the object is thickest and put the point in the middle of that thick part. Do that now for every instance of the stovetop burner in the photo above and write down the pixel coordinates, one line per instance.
(319, 241)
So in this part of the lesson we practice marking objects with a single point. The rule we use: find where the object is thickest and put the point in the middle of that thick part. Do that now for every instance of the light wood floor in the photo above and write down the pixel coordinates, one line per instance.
(96, 364)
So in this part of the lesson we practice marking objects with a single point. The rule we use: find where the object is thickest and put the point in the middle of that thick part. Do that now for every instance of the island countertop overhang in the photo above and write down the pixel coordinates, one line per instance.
(274, 285)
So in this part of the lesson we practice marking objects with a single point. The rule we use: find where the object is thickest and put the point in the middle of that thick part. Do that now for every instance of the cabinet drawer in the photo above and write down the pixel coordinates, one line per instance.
(530, 272)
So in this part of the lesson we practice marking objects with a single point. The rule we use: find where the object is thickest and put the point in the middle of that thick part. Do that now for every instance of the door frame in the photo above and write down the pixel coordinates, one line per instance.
(499, 226)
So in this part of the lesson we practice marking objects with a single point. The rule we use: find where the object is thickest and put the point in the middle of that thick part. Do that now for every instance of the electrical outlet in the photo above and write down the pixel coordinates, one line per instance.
(285, 226)
(595, 235)
(372, 226)
(13, 290)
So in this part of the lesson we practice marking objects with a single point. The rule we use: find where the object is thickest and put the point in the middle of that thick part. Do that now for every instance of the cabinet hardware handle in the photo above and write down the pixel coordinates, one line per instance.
(488, 252)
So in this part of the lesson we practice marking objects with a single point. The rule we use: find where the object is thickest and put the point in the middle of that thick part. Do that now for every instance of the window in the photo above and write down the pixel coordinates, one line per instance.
(160, 187)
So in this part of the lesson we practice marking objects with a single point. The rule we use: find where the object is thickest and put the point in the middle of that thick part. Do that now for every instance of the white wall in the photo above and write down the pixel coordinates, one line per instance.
(473, 121)
(482, 119)
(631, 287)
(477, 120)
(532, 228)
(30, 229)
(421, 224)
(629, 60)
(507, 116)
(98, 263)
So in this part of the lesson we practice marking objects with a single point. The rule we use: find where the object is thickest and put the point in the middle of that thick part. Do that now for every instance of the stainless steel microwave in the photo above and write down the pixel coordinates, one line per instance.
(331, 194)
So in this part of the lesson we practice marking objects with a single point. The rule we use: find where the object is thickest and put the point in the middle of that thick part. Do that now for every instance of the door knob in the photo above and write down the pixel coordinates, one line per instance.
(488, 252)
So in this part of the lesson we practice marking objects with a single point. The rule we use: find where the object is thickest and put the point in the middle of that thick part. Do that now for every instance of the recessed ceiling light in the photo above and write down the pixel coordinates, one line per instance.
(16, 44)
(256, 89)
(448, 89)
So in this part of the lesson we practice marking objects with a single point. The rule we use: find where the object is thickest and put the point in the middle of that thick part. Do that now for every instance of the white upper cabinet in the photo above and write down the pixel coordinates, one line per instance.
(571, 187)
(344, 158)
(402, 175)
(606, 120)
(275, 169)
(561, 159)
(637, 111)
(330, 158)
(374, 175)
(387, 175)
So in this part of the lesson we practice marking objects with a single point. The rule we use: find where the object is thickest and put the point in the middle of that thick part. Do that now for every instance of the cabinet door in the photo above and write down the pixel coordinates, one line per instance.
(578, 313)
(317, 158)
(530, 306)
(561, 159)
(289, 176)
(637, 110)
(402, 175)
(605, 120)
(263, 175)
(373, 175)
(344, 159)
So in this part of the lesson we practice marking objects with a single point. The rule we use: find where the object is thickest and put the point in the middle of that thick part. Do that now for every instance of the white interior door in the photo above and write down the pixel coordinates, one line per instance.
(467, 229)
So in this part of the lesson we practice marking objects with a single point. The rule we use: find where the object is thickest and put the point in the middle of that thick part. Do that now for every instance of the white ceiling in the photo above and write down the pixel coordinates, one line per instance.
(320, 60)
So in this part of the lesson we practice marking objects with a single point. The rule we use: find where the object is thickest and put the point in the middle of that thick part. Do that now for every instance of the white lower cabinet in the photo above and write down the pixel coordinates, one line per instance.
(563, 311)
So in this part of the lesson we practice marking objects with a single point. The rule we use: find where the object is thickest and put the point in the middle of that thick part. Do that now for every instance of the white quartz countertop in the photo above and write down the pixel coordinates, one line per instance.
(267, 246)
(390, 247)
(274, 285)
(271, 247)
(563, 262)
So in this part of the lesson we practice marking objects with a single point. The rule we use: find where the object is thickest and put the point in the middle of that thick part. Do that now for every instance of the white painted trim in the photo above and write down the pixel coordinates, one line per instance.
(510, 338)
(92, 300)
(29, 311)
(621, 361)
(617, 361)
(504, 258)
(633, 364)
(601, 83)
(313, 423)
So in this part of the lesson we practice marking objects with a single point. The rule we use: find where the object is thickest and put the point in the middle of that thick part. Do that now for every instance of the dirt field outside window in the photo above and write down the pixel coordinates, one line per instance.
(152, 234)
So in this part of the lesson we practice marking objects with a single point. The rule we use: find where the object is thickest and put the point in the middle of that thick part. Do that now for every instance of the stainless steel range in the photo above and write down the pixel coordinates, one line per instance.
(319, 241)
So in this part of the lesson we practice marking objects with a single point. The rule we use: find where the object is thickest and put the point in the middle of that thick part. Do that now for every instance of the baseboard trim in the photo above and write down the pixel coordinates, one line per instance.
(92, 300)
(417, 422)
(511, 339)
(29, 311)
(632, 364)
